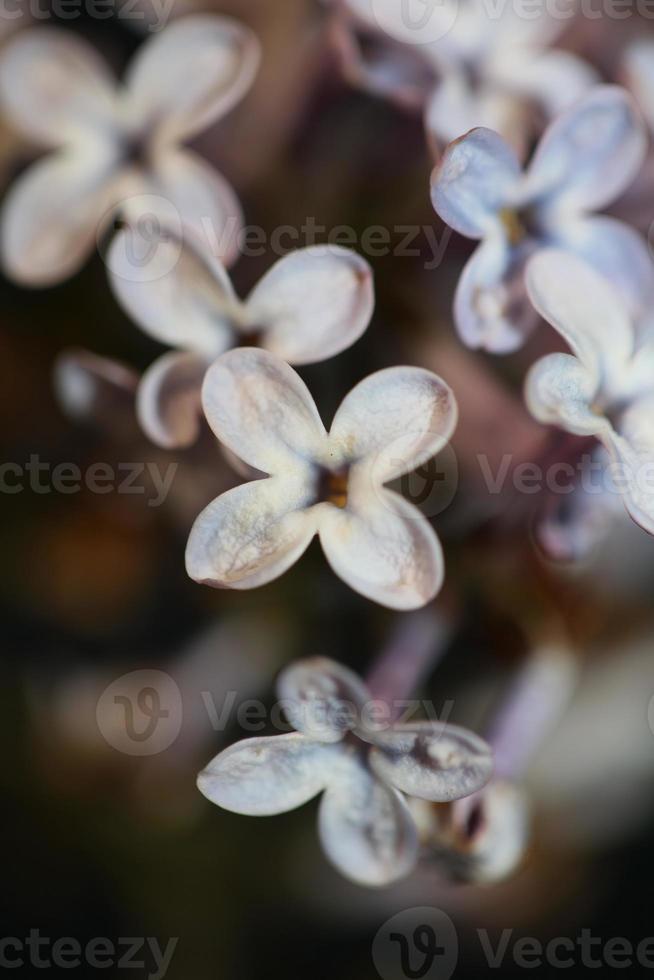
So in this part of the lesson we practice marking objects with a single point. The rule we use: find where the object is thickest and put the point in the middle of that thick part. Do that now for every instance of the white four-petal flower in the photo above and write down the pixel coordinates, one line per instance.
(605, 388)
(330, 484)
(311, 305)
(114, 145)
(586, 158)
(364, 770)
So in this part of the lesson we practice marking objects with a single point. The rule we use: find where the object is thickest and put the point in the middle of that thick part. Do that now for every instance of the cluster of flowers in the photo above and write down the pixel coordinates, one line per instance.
(117, 157)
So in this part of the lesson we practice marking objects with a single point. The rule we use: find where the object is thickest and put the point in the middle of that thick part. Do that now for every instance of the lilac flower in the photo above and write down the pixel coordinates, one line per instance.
(467, 65)
(587, 157)
(605, 388)
(311, 305)
(362, 769)
(330, 484)
(113, 145)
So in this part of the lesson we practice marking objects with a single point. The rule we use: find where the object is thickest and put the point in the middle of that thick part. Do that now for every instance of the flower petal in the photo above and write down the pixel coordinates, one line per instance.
(559, 390)
(261, 409)
(313, 303)
(55, 86)
(169, 405)
(586, 310)
(92, 388)
(325, 699)
(591, 153)
(384, 548)
(394, 420)
(52, 214)
(366, 828)
(633, 446)
(260, 777)
(555, 79)
(209, 210)
(251, 535)
(457, 106)
(191, 74)
(178, 295)
(615, 250)
(473, 182)
(639, 64)
(491, 307)
(431, 761)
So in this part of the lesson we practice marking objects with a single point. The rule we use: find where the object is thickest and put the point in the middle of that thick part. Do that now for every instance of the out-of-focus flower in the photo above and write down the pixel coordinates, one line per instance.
(639, 67)
(364, 770)
(311, 305)
(118, 147)
(330, 484)
(468, 65)
(605, 388)
(587, 157)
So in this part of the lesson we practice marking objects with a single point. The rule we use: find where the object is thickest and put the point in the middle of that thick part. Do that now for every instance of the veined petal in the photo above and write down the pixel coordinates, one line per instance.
(639, 64)
(208, 208)
(560, 391)
(366, 828)
(431, 761)
(589, 154)
(169, 405)
(491, 307)
(262, 410)
(313, 303)
(395, 420)
(384, 548)
(252, 534)
(191, 74)
(324, 698)
(260, 777)
(473, 182)
(176, 294)
(52, 214)
(55, 87)
(585, 309)
(615, 250)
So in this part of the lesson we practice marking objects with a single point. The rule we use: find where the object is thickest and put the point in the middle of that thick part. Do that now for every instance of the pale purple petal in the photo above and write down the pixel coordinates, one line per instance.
(207, 206)
(617, 252)
(261, 409)
(52, 215)
(260, 777)
(560, 391)
(395, 420)
(554, 79)
(191, 74)
(639, 64)
(633, 446)
(366, 828)
(474, 181)
(252, 534)
(56, 88)
(431, 761)
(322, 698)
(491, 307)
(168, 403)
(383, 547)
(179, 296)
(313, 303)
(589, 154)
(457, 106)
(586, 310)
